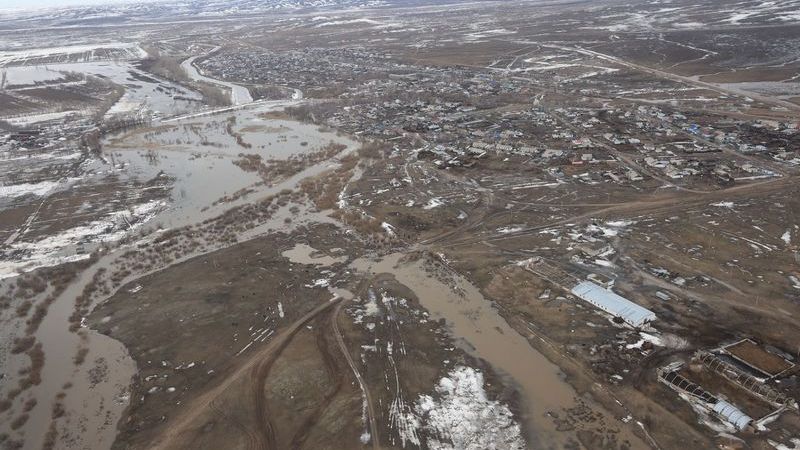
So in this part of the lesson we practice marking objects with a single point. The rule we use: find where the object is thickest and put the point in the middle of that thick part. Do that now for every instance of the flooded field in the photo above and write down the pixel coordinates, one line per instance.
(196, 158)
(142, 91)
(306, 254)
(201, 155)
(93, 394)
(28, 75)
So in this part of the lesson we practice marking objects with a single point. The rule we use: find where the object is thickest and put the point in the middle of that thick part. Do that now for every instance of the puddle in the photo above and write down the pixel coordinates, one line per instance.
(306, 254)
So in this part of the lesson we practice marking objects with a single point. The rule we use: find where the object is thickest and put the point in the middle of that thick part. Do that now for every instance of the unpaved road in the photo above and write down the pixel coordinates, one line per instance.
(254, 367)
(373, 426)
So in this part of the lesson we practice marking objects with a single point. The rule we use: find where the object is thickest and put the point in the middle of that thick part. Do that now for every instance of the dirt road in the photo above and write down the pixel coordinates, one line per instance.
(255, 367)
(373, 425)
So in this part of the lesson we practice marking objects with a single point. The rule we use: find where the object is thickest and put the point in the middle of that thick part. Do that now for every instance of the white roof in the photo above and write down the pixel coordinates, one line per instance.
(613, 304)
(732, 414)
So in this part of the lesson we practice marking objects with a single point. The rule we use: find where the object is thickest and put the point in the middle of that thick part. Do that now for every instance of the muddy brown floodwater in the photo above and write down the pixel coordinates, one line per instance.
(306, 254)
(473, 319)
(99, 388)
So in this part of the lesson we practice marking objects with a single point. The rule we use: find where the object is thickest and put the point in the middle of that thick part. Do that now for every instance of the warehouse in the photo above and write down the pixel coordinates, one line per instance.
(613, 304)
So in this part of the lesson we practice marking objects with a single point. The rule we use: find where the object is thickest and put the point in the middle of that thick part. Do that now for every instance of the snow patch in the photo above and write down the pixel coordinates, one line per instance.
(38, 189)
(58, 249)
(509, 229)
(464, 418)
(779, 446)
(433, 203)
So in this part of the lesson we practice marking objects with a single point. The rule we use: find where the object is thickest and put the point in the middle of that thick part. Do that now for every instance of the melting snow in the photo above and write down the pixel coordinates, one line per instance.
(38, 189)
(371, 307)
(347, 22)
(389, 228)
(433, 203)
(464, 418)
(509, 229)
(779, 446)
(320, 282)
(24, 256)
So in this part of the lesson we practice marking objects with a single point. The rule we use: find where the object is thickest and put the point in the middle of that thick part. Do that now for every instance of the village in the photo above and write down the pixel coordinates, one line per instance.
(435, 227)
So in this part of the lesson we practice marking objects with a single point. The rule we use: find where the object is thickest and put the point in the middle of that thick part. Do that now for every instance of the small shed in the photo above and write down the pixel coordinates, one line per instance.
(613, 304)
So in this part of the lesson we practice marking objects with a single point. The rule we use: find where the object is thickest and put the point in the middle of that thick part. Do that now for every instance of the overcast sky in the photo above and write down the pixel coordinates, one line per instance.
(34, 4)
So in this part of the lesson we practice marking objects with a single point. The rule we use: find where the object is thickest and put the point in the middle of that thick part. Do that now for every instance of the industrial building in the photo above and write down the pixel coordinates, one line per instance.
(732, 415)
(613, 304)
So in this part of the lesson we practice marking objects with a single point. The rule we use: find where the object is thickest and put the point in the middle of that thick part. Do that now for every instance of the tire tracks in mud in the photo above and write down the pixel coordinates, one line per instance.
(267, 438)
(257, 367)
(373, 425)
(327, 350)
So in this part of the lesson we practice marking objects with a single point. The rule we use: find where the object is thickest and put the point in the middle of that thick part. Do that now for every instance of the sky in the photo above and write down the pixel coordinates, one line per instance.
(35, 4)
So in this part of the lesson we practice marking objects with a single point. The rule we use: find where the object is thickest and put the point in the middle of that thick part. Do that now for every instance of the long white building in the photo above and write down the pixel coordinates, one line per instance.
(613, 304)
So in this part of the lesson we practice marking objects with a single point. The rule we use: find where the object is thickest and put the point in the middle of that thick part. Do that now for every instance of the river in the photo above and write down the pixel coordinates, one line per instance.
(240, 95)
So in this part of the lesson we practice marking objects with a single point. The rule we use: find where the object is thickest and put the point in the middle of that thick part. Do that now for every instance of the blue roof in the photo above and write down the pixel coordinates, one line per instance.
(613, 304)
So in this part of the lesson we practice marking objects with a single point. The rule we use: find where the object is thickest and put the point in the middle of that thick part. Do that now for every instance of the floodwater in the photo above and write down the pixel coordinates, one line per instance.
(488, 336)
(199, 155)
(306, 254)
(97, 402)
(28, 75)
(142, 90)
(201, 165)
(98, 390)
(239, 94)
